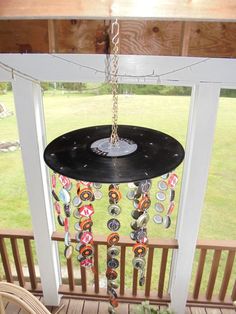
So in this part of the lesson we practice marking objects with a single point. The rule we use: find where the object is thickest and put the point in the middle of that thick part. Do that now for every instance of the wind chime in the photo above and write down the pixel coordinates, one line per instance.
(113, 155)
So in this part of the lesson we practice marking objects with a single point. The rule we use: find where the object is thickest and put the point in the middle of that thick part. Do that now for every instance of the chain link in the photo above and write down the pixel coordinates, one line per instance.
(114, 81)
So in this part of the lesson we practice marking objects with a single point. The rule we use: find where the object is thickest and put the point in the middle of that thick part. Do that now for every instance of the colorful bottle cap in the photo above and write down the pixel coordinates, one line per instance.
(87, 251)
(114, 210)
(140, 249)
(54, 181)
(172, 180)
(67, 238)
(136, 203)
(55, 196)
(114, 303)
(76, 201)
(159, 207)
(86, 224)
(77, 226)
(134, 225)
(87, 263)
(60, 220)
(67, 210)
(111, 274)
(172, 195)
(76, 214)
(113, 238)
(113, 224)
(112, 293)
(113, 251)
(166, 222)
(142, 281)
(141, 236)
(86, 194)
(158, 219)
(142, 220)
(162, 185)
(144, 203)
(86, 210)
(66, 183)
(112, 284)
(136, 213)
(161, 196)
(86, 237)
(113, 263)
(138, 263)
(171, 208)
(115, 195)
(130, 194)
(57, 207)
(64, 196)
(97, 186)
(132, 235)
(66, 224)
(165, 176)
(68, 251)
(80, 258)
(144, 186)
(79, 246)
(97, 194)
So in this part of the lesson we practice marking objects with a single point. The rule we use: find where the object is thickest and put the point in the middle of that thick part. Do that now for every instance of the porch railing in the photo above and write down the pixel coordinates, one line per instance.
(207, 287)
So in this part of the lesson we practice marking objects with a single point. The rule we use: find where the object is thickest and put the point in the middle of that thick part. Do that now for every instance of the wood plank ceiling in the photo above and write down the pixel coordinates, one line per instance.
(169, 28)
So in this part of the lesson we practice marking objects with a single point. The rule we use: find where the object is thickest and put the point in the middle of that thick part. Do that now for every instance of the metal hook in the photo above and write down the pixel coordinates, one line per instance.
(115, 32)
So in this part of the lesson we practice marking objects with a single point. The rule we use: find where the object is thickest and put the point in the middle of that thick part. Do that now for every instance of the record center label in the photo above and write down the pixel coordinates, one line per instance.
(105, 148)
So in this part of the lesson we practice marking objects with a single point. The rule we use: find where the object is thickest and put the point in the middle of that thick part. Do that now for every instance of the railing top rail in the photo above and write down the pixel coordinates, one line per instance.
(124, 240)
(217, 244)
(16, 233)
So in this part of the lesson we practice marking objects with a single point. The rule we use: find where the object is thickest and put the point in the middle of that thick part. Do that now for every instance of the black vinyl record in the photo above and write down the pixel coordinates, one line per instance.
(71, 155)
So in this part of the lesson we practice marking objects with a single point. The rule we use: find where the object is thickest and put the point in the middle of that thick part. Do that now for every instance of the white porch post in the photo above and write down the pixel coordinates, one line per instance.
(201, 126)
(29, 110)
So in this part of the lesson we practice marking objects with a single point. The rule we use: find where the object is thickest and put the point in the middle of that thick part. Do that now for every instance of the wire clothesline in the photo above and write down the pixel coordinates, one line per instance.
(16, 72)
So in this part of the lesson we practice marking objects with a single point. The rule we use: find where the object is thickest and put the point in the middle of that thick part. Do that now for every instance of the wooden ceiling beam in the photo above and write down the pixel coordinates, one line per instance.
(196, 10)
(165, 38)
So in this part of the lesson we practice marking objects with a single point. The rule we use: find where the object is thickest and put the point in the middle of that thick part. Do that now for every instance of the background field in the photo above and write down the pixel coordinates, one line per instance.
(65, 112)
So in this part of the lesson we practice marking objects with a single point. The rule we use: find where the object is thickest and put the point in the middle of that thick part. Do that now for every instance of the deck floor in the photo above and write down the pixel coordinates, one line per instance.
(77, 306)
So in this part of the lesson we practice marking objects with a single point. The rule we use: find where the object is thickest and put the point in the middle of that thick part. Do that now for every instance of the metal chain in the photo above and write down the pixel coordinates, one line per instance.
(114, 81)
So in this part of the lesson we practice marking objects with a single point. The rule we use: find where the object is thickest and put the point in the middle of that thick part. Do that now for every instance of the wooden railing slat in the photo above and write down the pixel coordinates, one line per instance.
(233, 295)
(96, 269)
(5, 261)
(70, 271)
(227, 273)
(83, 279)
(16, 255)
(149, 271)
(122, 270)
(135, 282)
(162, 272)
(30, 263)
(199, 274)
(213, 273)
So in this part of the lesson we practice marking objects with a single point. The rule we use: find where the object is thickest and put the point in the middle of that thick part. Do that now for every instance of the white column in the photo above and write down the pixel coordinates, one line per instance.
(30, 119)
(202, 120)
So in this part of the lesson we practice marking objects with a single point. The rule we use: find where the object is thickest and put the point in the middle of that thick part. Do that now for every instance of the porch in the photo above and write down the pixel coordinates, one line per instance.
(78, 306)
(77, 287)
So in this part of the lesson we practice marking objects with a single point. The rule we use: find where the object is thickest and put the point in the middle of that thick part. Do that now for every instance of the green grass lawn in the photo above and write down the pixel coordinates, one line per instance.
(165, 113)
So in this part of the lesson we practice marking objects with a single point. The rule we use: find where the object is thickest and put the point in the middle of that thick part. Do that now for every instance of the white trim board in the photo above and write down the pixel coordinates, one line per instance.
(46, 67)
